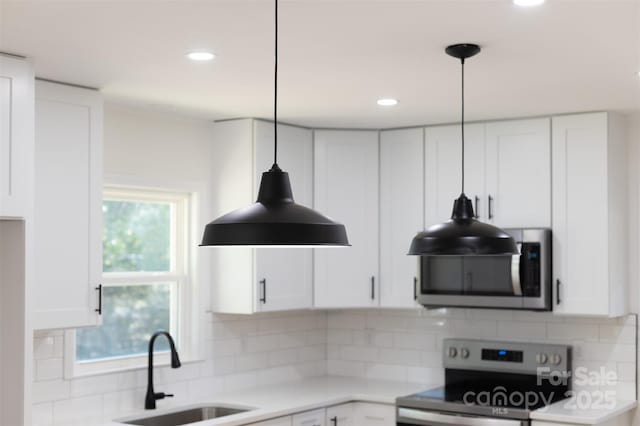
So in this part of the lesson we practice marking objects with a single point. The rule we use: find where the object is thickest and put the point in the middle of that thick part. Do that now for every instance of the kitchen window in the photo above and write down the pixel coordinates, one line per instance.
(146, 280)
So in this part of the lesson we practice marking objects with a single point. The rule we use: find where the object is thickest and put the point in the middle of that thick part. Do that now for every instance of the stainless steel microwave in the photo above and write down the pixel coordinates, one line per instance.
(520, 281)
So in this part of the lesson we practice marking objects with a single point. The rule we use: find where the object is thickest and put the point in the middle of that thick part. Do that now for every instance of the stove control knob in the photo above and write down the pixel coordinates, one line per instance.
(556, 359)
(541, 358)
(464, 353)
(453, 352)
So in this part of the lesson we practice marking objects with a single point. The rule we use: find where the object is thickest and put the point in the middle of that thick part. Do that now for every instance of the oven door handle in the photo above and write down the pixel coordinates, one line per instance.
(515, 273)
(408, 414)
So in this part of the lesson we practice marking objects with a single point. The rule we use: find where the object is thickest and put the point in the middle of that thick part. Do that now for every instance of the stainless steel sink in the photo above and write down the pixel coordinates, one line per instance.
(190, 415)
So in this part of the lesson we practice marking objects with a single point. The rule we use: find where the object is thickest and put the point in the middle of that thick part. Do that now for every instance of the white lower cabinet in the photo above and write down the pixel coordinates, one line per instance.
(349, 414)
(311, 418)
(280, 421)
(361, 414)
(342, 415)
(68, 206)
(368, 414)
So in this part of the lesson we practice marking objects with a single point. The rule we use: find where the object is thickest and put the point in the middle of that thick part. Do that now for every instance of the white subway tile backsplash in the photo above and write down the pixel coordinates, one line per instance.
(51, 390)
(399, 357)
(521, 331)
(43, 347)
(312, 353)
(42, 414)
(427, 375)
(338, 367)
(78, 411)
(240, 352)
(49, 369)
(618, 333)
(599, 343)
(339, 336)
(386, 372)
(359, 353)
(97, 384)
(249, 361)
(342, 320)
(572, 331)
(244, 351)
(422, 341)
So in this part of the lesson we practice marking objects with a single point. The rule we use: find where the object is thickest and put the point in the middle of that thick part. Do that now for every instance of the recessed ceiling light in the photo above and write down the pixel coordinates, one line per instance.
(200, 56)
(387, 102)
(528, 3)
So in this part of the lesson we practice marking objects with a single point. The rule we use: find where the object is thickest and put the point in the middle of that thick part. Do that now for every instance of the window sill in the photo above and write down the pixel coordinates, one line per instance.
(96, 369)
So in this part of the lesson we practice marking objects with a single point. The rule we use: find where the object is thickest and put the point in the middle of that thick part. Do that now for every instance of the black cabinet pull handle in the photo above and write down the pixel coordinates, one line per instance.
(373, 288)
(490, 206)
(99, 308)
(334, 420)
(558, 292)
(477, 213)
(263, 283)
(415, 288)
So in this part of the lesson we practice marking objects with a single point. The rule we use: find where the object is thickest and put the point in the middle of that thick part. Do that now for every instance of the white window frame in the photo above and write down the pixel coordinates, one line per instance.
(187, 271)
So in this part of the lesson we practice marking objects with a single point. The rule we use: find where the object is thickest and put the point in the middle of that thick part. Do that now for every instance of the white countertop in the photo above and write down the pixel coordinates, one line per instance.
(568, 412)
(293, 397)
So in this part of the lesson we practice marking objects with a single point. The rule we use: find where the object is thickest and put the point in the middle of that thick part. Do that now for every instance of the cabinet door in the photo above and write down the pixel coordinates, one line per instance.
(401, 213)
(280, 421)
(68, 206)
(346, 189)
(342, 415)
(16, 137)
(443, 177)
(519, 173)
(375, 414)
(283, 277)
(580, 232)
(310, 418)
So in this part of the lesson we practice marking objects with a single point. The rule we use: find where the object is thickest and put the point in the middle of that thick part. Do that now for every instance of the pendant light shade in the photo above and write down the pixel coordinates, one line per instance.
(274, 219)
(463, 234)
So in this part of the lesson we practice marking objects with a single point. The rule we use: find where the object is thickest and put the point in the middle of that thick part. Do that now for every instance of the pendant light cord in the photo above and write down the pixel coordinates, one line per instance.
(275, 91)
(462, 123)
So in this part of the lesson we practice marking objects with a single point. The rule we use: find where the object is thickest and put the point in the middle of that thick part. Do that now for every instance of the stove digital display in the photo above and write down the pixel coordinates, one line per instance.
(501, 355)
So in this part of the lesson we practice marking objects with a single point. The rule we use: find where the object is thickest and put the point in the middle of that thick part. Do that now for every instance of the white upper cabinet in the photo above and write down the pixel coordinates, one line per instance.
(285, 275)
(246, 279)
(401, 213)
(507, 172)
(518, 173)
(68, 206)
(16, 137)
(346, 189)
(442, 173)
(589, 215)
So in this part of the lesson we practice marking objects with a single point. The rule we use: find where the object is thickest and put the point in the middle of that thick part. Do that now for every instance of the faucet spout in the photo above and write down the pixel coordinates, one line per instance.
(152, 396)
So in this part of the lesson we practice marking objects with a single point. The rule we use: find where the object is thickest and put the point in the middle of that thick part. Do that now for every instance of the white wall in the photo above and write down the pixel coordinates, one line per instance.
(238, 351)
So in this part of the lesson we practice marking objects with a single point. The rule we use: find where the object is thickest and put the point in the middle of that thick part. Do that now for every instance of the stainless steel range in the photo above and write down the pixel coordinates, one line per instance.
(490, 383)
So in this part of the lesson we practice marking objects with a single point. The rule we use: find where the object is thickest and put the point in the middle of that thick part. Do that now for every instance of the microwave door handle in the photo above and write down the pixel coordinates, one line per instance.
(420, 417)
(515, 273)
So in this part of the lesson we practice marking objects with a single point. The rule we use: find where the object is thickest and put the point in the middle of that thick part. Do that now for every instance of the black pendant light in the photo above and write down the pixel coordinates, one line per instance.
(462, 234)
(274, 219)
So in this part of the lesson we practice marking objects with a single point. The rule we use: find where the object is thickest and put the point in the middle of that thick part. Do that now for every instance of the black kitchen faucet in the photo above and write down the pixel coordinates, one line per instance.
(152, 396)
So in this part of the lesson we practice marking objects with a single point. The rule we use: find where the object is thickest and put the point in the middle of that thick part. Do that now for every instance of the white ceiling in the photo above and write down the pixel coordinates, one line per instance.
(338, 57)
